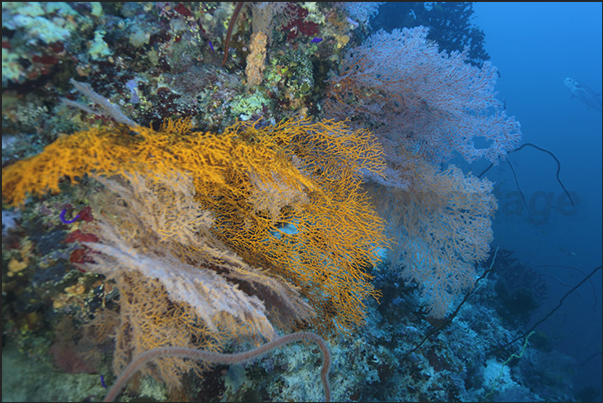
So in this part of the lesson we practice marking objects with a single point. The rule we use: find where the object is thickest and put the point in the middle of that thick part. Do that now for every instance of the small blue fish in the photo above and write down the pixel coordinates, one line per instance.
(316, 40)
(211, 46)
(103, 384)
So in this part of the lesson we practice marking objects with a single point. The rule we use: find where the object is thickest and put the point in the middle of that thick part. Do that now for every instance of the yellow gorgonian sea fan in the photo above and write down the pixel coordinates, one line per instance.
(70, 157)
(285, 197)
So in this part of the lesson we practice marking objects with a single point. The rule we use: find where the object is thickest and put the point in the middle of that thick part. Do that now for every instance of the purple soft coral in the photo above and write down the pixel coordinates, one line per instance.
(62, 216)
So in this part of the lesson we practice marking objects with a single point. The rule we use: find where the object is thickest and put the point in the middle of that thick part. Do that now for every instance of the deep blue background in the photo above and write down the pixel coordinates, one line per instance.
(536, 46)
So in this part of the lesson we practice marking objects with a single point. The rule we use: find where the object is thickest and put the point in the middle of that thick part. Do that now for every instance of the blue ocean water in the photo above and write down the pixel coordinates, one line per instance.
(536, 46)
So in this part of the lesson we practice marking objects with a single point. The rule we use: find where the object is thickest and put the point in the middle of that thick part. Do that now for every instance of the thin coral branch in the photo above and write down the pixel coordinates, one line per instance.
(233, 21)
(107, 108)
(226, 359)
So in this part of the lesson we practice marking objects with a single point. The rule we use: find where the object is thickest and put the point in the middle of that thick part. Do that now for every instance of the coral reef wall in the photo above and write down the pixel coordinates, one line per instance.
(211, 175)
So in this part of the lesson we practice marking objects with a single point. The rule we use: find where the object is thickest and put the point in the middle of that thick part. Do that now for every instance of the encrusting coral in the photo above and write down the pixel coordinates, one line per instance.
(255, 60)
